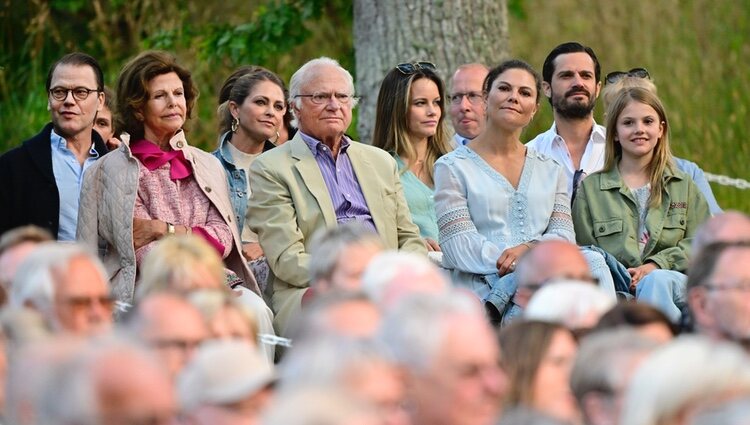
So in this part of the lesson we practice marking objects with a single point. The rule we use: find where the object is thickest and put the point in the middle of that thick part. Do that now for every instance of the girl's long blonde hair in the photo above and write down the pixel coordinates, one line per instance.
(662, 158)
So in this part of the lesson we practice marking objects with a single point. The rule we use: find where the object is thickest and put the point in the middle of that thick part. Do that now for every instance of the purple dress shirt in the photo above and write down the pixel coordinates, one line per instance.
(343, 187)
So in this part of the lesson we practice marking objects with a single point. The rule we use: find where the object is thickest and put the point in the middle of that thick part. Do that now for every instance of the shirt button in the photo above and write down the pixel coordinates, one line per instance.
(179, 145)
(601, 228)
(207, 189)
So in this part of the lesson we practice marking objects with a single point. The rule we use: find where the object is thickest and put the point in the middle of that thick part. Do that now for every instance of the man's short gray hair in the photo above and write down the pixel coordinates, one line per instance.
(416, 326)
(35, 280)
(329, 245)
(602, 361)
(303, 75)
(390, 266)
(336, 360)
(668, 381)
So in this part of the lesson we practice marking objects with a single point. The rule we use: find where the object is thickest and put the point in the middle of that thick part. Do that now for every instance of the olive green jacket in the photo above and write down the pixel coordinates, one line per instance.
(605, 214)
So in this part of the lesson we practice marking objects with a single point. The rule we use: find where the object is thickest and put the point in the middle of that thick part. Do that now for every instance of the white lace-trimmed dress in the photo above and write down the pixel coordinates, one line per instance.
(480, 213)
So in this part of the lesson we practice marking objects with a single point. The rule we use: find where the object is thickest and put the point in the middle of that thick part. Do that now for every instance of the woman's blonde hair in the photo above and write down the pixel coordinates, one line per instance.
(626, 82)
(392, 118)
(662, 157)
(210, 301)
(173, 261)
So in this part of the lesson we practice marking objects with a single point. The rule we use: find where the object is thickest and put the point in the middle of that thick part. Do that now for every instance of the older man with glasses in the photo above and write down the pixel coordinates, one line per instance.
(67, 286)
(320, 179)
(42, 178)
(467, 108)
(719, 291)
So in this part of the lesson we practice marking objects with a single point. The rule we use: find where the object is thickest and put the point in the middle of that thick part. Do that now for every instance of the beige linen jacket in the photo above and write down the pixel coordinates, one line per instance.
(290, 201)
(105, 212)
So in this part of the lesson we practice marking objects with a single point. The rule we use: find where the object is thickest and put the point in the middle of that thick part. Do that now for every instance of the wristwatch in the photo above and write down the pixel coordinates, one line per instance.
(170, 228)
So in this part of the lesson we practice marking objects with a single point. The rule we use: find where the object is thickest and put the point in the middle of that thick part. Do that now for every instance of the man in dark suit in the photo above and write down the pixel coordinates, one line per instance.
(40, 181)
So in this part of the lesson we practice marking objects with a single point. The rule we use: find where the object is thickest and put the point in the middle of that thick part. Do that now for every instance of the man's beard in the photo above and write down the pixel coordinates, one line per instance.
(573, 109)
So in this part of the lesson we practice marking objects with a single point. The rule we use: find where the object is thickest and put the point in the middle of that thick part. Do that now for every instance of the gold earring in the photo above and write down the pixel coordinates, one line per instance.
(235, 124)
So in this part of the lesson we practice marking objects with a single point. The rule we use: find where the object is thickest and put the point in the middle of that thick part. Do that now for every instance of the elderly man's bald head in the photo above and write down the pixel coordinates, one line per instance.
(552, 260)
(731, 226)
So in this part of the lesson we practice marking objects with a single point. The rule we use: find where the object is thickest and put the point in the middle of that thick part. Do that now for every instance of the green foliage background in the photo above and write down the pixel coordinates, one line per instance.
(697, 51)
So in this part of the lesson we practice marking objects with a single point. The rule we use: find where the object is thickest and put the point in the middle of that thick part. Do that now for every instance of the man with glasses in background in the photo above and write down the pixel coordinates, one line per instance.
(467, 107)
(42, 177)
(718, 289)
(319, 179)
(67, 286)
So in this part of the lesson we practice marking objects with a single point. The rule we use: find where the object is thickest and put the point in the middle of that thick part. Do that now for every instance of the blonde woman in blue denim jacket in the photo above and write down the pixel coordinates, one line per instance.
(640, 208)
(251, 110)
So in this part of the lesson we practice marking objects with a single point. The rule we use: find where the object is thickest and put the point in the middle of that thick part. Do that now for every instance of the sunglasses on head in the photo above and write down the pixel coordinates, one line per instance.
(410, 68)
(613, 77)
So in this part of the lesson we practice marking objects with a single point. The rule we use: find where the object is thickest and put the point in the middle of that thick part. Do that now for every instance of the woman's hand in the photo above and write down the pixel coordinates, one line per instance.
(507, 261)
(638, 273)
(431, 245)
(252, 251)
(146, 231)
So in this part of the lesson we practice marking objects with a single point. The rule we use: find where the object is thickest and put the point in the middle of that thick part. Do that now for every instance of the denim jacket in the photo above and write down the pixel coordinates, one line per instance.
(605, 214)
(237, 178)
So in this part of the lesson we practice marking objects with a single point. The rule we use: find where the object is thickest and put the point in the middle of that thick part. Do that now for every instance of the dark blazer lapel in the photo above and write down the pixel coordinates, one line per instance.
(40, 152)
(311, 176)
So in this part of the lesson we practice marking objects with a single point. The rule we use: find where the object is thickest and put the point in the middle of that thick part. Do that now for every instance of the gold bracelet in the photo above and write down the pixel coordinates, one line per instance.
(170, 228)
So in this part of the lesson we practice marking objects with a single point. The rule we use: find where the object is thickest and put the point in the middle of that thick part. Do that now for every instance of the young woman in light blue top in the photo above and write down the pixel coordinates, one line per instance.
(410, 125)
(495, 197)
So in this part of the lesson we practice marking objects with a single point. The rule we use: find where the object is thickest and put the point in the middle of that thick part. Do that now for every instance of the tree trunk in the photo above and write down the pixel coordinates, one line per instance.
(447, 33)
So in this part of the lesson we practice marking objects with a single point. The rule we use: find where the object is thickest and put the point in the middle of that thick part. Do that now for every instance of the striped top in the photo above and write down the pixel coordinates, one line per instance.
(343, 187)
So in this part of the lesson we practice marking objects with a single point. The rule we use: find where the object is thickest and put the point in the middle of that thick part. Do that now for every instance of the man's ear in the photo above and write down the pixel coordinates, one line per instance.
(598, 89)
(699, 309)
(101, 100)
(547, 89)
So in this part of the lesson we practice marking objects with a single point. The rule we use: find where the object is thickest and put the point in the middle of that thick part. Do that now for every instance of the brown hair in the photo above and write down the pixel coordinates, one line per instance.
(523, 346)
(633, 314)
(391, 131)
(238, 86)
(132, 88)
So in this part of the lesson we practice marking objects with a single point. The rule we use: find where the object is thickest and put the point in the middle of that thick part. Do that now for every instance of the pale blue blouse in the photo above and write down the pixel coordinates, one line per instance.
(421, 202)
(480, 214)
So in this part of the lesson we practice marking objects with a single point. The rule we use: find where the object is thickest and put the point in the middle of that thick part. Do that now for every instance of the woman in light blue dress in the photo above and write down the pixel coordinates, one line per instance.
(410, 125)
(495, 197)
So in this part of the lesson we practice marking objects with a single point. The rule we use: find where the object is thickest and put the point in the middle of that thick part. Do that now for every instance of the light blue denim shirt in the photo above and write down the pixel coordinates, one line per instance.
(236, 177)
(699, 178)
(69, 178)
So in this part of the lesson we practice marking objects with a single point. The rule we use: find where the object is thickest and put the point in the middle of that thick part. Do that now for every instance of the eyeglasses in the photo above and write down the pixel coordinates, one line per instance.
(615, 76)
(742, 286)
(323, 98)
(474, 98)
(79, 93)
(85, 303)
(410, 68)
(182, 345)
(533, 287)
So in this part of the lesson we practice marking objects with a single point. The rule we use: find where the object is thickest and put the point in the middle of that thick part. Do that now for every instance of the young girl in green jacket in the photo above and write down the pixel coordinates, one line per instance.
(640, 208)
